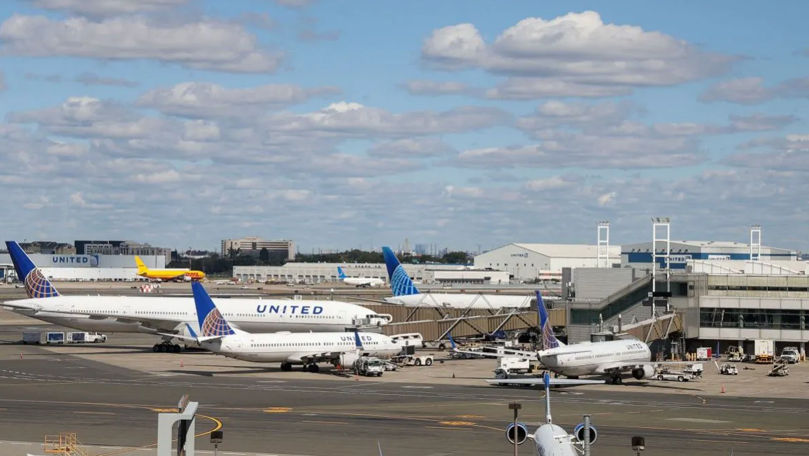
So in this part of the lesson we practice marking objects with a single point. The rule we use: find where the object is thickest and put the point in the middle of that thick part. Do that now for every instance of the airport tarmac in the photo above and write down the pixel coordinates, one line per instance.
(110, 394)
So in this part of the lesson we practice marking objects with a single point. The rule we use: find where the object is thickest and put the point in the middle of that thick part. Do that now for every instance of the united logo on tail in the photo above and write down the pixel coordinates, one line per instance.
(36, 284)
(549, 340)
(211, 322)
(400, 282)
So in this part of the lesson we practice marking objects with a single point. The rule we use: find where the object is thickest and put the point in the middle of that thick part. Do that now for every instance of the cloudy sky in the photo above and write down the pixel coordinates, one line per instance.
(362, 123)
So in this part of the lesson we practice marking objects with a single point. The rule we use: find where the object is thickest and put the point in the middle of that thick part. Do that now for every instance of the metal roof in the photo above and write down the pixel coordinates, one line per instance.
(568, 250)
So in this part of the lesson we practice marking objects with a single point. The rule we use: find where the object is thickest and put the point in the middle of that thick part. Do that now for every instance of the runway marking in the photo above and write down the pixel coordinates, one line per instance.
(323, 422)
(790, 439)
(697, 420)
(457, 423)
(474, 417)
(277, 410)
(417, 387)
(164, 410)
(443, 428)
(95, 413)
(750, 430)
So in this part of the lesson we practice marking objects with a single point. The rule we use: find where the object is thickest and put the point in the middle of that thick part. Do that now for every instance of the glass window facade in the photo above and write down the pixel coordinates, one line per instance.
(710, 317)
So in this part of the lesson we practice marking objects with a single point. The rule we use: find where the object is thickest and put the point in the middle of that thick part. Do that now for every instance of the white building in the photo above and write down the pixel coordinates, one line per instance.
(327, 272)
(527, 262)
(88, 267)
(254, 245)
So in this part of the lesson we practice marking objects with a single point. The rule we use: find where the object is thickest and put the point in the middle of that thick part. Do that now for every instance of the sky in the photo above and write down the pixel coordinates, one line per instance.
(466, 124)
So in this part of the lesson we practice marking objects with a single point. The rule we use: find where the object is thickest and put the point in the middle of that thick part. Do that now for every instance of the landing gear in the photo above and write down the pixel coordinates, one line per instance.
(616, 379)
(166, 347)
(286, 367)
(313, 368)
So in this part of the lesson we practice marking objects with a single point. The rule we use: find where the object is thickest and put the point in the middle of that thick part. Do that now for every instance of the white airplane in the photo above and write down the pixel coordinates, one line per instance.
(405, 293)
(610, 359)
(359, 281)
(551, 439)
(158, 314)
(338, 348)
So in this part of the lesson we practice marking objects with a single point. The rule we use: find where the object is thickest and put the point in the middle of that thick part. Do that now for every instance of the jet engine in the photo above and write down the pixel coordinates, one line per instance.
(578, 431)
(520, 431)
(646, 371)
(347, 360)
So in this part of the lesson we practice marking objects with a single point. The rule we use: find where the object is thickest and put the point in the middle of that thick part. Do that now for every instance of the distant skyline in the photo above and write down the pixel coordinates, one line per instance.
(346, 125)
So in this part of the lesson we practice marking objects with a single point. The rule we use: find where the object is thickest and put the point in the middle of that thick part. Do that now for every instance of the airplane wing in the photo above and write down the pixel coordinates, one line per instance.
(540, 381)
(502, 354)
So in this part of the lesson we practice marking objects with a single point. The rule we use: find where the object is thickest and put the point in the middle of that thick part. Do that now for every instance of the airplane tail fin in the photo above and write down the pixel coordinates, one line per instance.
(357, 341)
(400, 282)
(141, 266)
(36, 284)
(340, 274)
(549, 339)
(211, 322)
(452, 342)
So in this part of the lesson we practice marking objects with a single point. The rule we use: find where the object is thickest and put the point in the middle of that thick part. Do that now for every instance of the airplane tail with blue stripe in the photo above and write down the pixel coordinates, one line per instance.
(549, 339)
(400, 282)
(36, 284)
(211, 323)
(340, 274)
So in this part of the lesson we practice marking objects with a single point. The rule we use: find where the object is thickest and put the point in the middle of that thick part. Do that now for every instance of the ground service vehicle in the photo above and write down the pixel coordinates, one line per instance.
(55, 337)
(679, 376)
(369, 366)
(31, 337)
(728, 369)
(509, 365)
(82, 337)
(415, 360)
(409, 339)
(764, 350)
(779, 369)
(790, 355)
(704, 353)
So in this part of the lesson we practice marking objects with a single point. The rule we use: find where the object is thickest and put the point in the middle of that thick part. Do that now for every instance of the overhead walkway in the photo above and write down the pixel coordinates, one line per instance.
(435, 323)
(610, 307)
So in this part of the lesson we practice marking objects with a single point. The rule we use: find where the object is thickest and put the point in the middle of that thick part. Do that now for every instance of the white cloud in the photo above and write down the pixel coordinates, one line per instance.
(577, 50)
(422, 87)
(205, 99)
(96, 8)
(206, 44)
(741, 90)
(411, 147)
(606, 199)
(529, 88)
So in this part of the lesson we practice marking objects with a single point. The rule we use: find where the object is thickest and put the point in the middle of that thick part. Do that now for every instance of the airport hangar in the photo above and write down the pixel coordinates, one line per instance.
(84, 267)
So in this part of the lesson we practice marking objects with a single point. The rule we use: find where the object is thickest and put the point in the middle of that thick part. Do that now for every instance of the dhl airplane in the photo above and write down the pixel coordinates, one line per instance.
(167, 274)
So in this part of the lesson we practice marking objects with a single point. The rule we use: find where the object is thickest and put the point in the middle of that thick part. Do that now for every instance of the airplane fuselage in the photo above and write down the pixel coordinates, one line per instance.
(594, 358)
(363, 281)
(285, 347)
(553, 440)
(163, 314)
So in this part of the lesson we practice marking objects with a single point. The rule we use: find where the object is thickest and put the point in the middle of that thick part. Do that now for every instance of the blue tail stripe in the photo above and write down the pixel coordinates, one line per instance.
(400, 282)
(211, 322)
(548, 338)
(357, 341)
(36, 284)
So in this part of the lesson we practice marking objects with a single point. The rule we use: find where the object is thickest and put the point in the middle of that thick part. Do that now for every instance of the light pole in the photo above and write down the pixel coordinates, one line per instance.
(516, 406)
(638, 444)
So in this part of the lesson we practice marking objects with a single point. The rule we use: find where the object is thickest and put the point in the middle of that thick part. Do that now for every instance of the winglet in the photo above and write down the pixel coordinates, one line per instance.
(549, 339)
(211, 322)
(36, 284)
(340, 274)
(400, 282)
(357, 341)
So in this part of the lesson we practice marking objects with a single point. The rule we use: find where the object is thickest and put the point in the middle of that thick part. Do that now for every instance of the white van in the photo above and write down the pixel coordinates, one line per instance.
(409, 339)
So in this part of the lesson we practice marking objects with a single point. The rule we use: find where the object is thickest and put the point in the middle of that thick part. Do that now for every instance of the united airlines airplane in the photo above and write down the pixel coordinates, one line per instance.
(358, 281)
(338, 348)
(405, 292)
(551, 439)
(610, 359)
(155, 314)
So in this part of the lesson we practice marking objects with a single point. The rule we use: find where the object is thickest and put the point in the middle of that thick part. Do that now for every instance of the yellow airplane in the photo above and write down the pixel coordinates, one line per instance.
(167, 274)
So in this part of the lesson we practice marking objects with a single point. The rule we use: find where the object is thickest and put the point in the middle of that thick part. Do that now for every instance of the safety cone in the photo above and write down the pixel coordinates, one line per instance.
(723, 389)
(181, 363)
(453, 375)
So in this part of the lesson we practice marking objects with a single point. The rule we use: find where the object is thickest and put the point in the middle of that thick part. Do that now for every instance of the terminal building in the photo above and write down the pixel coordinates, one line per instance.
(314, 273)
